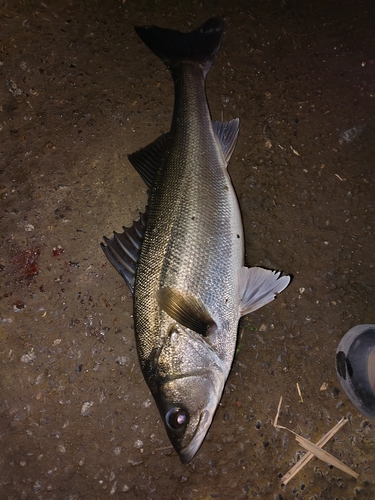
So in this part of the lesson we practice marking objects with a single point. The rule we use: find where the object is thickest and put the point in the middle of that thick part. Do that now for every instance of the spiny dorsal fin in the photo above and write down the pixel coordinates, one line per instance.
(258, 286)
(227, 133)
(186, 309)
(123, 249)
(147, 160)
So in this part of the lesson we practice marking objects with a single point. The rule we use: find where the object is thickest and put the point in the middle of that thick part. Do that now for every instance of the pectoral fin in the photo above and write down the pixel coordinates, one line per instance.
(186, 309)
(258, 286)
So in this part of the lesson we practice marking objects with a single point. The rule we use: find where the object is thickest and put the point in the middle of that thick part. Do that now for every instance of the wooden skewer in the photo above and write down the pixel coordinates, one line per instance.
(325, 456)
(314, 450)
(309, 455)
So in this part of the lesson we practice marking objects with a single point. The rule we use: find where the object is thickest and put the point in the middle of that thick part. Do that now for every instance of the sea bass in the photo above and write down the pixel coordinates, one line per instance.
(184, 259)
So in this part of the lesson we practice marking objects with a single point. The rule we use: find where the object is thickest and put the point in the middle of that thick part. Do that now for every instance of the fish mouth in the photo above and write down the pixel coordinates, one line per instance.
(188, 453)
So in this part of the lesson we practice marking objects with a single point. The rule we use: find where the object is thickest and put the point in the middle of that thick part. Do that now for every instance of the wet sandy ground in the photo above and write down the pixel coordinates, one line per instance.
(79, 91)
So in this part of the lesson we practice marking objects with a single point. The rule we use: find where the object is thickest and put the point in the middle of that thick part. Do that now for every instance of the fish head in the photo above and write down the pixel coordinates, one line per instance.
(190, 382)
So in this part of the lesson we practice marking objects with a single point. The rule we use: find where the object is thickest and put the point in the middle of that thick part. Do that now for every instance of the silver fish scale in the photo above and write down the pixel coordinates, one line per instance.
(193, 241)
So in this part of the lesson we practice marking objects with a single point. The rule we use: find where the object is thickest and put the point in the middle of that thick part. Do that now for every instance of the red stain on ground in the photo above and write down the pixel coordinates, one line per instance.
(56, 251)
(26, 264)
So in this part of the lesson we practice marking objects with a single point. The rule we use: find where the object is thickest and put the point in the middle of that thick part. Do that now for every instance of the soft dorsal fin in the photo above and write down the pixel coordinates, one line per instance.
(227, 133)
(147, 160)
(258, 286)
(123, 249)
(186, 309)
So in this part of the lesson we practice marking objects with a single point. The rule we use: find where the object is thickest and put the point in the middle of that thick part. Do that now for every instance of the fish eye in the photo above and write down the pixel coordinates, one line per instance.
(177, 418)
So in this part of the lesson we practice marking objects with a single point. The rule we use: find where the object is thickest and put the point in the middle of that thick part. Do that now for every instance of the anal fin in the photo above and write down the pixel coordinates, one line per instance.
(187, 310)
(258, 287)
(123, 249)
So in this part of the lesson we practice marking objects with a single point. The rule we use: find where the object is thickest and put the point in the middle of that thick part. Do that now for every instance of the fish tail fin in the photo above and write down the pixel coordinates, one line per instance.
(174, 47)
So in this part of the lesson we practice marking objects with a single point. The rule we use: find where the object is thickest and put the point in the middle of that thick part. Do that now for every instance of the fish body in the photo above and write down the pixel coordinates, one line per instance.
(187, 267)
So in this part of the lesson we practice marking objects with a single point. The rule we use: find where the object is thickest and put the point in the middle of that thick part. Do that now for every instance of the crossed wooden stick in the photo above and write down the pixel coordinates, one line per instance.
(314, 449)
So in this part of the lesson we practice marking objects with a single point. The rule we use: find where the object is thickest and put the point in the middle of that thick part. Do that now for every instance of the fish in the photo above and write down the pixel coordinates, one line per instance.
(184, 259)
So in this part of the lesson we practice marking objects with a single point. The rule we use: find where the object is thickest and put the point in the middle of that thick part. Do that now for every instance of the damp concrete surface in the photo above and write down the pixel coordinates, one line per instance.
(79, 91)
